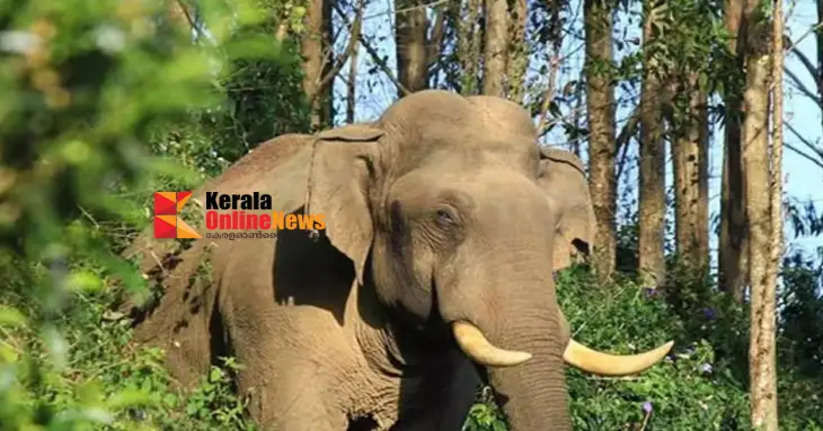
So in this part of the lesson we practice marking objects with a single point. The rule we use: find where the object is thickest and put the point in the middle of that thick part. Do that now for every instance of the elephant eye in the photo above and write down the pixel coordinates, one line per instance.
(445, 218)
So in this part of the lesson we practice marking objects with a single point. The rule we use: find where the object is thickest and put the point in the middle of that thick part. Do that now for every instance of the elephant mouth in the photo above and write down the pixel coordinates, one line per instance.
(479, 349)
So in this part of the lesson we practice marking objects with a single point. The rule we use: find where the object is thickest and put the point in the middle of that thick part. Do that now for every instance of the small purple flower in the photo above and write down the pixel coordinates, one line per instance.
(709, 313)
(706, 368)
(647, 407)
(650, 293)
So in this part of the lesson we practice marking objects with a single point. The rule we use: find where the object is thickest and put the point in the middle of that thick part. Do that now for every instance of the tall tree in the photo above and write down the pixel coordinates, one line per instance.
(600, 112)
(763, 204)
(690, 152)
(518, 56)
(652, 184)
(496, 48)
(315, 48)
(351, 85)
(410, 43)
(468, 46)
(733, 241)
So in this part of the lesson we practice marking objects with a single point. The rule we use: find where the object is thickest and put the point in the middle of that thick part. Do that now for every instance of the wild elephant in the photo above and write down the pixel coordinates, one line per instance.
(444, 223)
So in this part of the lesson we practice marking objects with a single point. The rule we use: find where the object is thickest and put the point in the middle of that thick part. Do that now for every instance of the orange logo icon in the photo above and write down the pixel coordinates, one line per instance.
(167, 223)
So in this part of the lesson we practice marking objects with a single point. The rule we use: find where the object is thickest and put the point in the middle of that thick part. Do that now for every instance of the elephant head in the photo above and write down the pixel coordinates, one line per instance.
(453, 216)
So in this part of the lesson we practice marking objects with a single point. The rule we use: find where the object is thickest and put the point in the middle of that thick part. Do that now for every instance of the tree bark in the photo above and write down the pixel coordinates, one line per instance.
(410, 42)
(495, 53)
(764, 205)
(600, 112)
(518, 59)
(316, 52)
(351, 94)
(733, 241)
(468, 41)
(652, 184)
(690, 149)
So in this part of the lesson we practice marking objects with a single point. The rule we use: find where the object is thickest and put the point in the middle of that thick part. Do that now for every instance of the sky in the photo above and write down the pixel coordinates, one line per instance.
(802, 179)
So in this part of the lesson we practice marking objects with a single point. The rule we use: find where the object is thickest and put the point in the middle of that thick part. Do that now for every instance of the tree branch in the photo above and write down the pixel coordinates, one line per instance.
(802, 57)
(374, 55)
(803, 154)
(354, 35)
(810, 30)
(186, 13)
(803, 89)
(383, 66)
(812, 146)
(629, 130)
(434, 44)
(547, 98)
(408, 9)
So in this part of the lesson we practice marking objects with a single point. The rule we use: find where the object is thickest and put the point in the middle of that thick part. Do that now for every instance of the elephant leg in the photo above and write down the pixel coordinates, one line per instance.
(292, 398)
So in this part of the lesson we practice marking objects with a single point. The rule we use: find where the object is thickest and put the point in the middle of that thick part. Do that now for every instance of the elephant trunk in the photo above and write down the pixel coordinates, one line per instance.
(530, 382)
(533, 393)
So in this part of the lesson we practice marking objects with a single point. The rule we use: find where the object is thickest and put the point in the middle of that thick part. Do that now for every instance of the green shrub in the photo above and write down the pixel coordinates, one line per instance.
(93, 378)
(690, 389)
(89, 90)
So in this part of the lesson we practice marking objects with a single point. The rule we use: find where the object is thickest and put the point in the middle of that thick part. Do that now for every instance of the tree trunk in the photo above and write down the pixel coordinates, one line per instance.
(495, 54)
(468, 41)
(733, 241)
(764, 205)
(690, 149)
(518, 60)
(316, 52)
(652, 184)
(410, 42)
(600, 111)
(703, 182)
(351, 86)
(819, 34)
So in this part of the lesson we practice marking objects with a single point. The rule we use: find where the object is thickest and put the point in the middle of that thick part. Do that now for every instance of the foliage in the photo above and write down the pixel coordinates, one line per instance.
(703, 383)
(92, 92)
(92, 378)
(800, 342)
(485, 415)
(803, 217)
(691, 389)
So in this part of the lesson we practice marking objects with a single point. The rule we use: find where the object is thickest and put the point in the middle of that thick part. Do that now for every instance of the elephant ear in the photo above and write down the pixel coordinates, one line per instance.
(341, 169)
(563, 179)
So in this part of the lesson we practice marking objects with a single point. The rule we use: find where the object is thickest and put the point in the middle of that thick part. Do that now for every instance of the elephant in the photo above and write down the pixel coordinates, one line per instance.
(445, 223)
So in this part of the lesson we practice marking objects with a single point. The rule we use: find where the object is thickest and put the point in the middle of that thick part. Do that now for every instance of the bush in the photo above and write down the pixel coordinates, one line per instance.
(703, 383)
(90, 90)
(691, 389)
(91, 377)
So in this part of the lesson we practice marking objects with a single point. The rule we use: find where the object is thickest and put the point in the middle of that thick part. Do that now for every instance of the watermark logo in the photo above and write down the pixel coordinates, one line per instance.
(230, 216)
(167, 221)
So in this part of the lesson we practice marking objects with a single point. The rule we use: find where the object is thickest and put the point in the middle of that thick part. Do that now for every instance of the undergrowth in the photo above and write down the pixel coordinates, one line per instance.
(92, 377)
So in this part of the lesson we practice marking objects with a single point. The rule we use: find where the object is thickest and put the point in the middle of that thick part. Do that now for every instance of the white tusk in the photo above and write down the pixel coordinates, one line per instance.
(479, 349)
(605, 364)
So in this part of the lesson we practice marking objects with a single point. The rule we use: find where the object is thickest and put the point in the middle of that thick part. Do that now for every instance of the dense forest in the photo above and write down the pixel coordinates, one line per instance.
(677, 108)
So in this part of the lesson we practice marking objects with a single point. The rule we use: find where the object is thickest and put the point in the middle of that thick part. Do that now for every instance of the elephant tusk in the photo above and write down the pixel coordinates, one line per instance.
(605, 364)
(479, 349)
